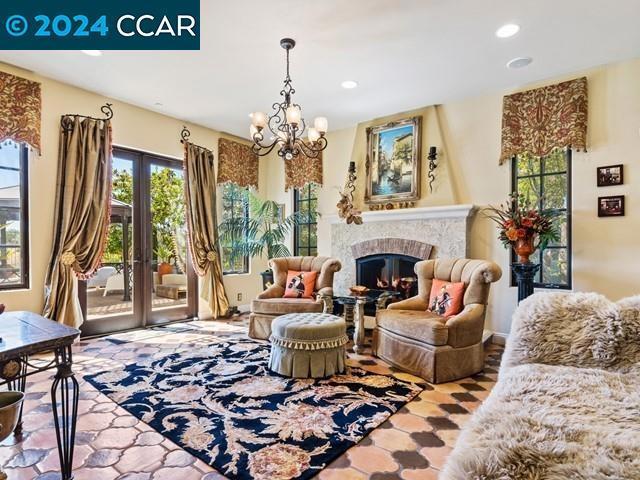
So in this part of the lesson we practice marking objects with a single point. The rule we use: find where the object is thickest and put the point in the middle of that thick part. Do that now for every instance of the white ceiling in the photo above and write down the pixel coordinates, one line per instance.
(404, 53)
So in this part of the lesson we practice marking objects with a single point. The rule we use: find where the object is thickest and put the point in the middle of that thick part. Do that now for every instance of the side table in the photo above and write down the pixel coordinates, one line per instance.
(354, 311)
(24, 334)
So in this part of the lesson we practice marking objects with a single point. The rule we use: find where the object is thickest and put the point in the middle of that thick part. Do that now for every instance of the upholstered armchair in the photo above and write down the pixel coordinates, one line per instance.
(436, 348)
(271, 304)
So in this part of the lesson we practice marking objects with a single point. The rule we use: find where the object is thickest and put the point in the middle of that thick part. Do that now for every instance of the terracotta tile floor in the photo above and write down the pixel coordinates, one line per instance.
(111, 444)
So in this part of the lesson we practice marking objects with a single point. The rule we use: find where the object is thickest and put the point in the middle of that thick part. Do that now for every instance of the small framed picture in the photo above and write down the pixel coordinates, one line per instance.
(610, 175)
(612, 206)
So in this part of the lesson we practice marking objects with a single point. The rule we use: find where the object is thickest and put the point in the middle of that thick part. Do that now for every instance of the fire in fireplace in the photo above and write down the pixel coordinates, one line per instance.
(388, 271)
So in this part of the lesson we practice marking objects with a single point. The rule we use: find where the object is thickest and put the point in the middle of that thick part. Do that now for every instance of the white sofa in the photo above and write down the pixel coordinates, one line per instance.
(567, 402)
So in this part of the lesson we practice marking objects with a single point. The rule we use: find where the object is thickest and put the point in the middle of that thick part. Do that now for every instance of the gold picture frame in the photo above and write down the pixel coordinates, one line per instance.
(393, 161)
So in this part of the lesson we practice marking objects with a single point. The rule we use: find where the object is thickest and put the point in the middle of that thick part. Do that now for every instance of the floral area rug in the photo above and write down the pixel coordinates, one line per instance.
(222, 404)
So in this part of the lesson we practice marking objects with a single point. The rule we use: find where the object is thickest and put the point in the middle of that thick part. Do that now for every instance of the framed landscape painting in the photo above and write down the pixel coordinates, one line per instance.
(393, 162)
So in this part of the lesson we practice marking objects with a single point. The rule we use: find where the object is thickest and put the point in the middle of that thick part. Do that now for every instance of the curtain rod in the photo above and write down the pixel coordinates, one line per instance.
(106, 110)
(184, 138)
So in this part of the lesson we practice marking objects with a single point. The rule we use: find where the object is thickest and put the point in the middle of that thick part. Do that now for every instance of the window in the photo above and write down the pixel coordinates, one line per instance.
(546, 182)
(235, 206)
(14, 216)
(305, 237)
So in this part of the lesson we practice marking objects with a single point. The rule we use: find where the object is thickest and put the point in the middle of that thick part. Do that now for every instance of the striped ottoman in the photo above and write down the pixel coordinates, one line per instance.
(308, 345)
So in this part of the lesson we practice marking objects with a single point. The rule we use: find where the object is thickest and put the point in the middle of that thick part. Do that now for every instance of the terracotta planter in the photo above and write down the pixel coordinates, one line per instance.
(164, 268)
(524, 249)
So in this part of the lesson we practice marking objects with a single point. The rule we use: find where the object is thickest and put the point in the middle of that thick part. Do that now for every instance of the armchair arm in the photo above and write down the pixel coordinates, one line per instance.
(414, 303)
(325, 292)
(466, 328)
(274, 291)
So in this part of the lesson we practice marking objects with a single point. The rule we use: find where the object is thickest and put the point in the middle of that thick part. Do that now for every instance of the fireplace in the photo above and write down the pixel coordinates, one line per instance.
(388, 271)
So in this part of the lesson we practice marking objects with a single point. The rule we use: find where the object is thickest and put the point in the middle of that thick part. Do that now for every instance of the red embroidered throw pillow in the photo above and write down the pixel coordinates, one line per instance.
(300, 284)
(446, 298)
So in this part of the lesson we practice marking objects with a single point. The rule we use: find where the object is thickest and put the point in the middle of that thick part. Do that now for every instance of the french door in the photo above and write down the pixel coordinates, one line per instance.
(146, 277)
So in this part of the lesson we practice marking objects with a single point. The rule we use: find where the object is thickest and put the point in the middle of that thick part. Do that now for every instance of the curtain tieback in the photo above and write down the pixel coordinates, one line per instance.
(68, 258)
(212, 256)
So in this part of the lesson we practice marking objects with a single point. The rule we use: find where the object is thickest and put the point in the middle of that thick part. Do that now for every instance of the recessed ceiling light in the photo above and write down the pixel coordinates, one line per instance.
(508, 30)
(349, 84)
(519, 62)
(92, 53)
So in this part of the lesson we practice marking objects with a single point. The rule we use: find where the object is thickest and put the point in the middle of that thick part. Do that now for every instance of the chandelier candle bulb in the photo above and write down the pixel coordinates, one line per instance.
(283, 137)
(294, 114)
(259, 120)
(321, 124)
(313, 134)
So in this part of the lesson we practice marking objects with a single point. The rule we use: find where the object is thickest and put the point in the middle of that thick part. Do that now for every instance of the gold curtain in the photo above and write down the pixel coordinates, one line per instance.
(200, 195)
(540, 120)
(20, 110)
(82, 214)
(301, 170)
(237, 164)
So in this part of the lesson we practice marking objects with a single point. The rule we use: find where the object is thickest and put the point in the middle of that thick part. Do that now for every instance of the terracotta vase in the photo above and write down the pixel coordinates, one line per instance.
(164, 268)
(524, 249)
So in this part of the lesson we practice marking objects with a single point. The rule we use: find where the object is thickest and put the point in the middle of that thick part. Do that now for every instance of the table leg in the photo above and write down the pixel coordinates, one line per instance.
(65, 420)
(20, 384)
(348, 313)
(358, 320)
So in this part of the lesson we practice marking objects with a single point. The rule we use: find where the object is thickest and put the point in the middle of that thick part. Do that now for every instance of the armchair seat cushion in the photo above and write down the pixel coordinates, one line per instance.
(282, 306)
(423, 326)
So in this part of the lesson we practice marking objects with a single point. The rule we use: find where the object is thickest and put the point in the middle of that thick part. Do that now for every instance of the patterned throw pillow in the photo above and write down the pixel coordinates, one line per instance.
(446, 298)
(300, 284)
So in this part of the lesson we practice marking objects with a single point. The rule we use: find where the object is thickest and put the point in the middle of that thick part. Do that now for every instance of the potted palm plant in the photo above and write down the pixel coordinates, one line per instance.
(263, 232)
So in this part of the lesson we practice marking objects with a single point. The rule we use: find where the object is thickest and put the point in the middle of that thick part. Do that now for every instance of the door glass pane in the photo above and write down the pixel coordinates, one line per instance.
(168, 237)
(110, 291)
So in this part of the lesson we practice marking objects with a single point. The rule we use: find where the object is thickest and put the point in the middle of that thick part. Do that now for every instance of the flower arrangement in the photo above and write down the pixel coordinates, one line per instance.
(523, 227)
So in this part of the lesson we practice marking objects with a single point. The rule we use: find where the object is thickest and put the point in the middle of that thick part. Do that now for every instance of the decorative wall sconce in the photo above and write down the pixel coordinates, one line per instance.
(346, 210)
(433, 164)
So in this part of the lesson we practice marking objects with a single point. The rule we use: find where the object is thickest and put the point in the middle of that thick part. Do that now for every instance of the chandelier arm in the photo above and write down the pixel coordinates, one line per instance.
(262, 150)
(307, 149)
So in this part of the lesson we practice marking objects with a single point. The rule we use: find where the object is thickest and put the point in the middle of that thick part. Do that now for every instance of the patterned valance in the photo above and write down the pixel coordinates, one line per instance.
(237, 164)
(538, 121)
(302, 170)
(20, 109)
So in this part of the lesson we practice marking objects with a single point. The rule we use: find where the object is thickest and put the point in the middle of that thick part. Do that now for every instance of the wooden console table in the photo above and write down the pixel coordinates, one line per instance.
(24, 334)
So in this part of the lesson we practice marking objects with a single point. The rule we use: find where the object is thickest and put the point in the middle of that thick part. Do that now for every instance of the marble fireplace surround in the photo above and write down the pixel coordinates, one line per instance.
(408, 231)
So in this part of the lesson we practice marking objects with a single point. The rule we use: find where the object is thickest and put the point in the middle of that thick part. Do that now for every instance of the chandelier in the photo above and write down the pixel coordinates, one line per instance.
(286, 125)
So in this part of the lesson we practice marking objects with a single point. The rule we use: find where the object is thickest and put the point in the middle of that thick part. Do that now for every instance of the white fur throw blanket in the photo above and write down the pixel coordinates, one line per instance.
(567, 403)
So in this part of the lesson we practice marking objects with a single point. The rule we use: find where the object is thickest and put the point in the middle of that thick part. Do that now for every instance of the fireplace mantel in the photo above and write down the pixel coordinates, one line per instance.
(419, 213)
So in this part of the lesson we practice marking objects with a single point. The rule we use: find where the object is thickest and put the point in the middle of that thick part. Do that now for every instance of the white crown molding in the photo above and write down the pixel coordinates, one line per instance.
(401, 214)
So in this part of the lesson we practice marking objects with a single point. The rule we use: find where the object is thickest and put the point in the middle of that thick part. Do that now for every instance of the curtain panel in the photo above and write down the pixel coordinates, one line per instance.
(202, 224)
(540, 120)
(237, 164)
(301, 170)
(82, 214)
(20, 110)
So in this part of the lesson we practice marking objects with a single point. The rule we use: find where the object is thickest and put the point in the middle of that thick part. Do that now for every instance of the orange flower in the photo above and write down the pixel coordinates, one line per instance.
(527, 222)
(512, 234)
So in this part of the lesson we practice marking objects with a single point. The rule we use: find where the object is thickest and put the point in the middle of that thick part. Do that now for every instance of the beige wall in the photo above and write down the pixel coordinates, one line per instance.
(132, 127)
(468, 132)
